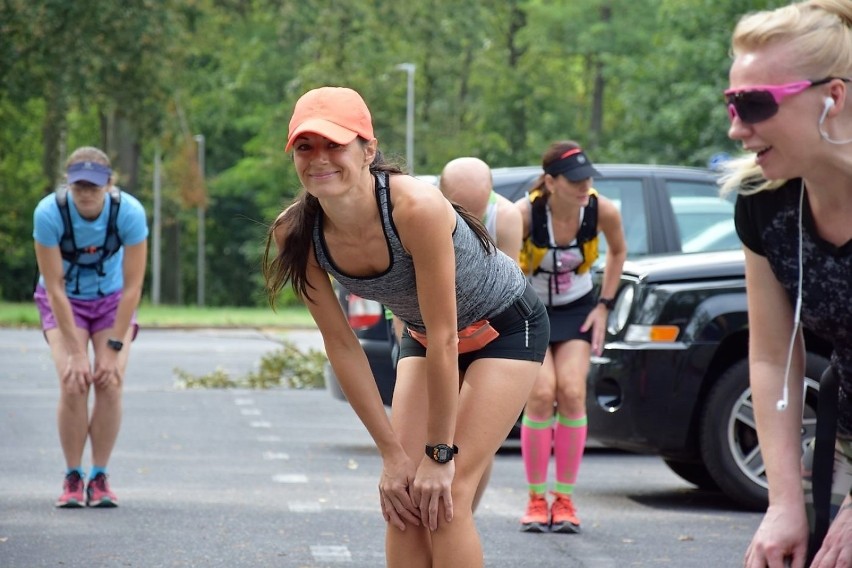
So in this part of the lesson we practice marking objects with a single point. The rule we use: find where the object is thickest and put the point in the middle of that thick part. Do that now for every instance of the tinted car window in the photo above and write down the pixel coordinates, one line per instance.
(628, 196)
(704, 219)
(514, 183)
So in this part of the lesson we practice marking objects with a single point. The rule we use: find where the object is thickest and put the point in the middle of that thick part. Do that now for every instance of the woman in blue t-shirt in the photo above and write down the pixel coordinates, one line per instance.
(87, 293)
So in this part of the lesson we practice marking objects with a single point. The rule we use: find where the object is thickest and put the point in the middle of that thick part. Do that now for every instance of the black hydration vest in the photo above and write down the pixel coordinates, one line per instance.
(537, 244)
(88, 258)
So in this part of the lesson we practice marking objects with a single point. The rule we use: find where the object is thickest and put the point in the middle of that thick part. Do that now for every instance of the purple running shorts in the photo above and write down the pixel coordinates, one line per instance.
(91, 315)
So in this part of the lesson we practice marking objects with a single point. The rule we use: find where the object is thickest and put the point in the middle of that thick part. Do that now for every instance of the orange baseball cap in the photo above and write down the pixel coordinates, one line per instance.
(338, 113)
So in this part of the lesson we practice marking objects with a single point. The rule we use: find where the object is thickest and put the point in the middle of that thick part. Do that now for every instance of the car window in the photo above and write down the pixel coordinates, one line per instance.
(512, 185)
(705, 220)
(627, 195)
(719, 236)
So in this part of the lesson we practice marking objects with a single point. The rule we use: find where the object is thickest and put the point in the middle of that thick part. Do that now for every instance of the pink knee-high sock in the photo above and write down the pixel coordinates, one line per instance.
(536, 444)
(569, 444)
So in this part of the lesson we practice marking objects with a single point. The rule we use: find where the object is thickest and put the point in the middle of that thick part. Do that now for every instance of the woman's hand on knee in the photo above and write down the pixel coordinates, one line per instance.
(107, 371)
(432, 484)
(77, 375)
(398, 508)
(836, 549)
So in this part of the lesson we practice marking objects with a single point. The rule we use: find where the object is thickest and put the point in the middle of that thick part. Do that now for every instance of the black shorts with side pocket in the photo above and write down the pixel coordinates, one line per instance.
(524, 334)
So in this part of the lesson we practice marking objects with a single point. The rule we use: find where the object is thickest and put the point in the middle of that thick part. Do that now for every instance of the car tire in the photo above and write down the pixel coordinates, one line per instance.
(729, 446)
(694, 472)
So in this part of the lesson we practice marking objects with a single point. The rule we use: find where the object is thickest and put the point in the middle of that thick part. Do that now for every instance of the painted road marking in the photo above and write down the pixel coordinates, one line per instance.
(331, 553)
(270, 438)
(276, 456)
(290, 478)
(303, 507)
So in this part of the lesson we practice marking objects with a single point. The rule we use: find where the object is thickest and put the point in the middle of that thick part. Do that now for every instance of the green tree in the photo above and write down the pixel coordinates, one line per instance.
(632, 81)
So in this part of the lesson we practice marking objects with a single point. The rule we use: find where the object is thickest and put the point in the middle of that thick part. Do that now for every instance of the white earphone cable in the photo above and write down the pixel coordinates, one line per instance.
(782, 403)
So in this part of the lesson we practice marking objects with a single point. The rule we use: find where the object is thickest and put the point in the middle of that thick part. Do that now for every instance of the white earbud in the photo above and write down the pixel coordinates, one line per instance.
(828, 104)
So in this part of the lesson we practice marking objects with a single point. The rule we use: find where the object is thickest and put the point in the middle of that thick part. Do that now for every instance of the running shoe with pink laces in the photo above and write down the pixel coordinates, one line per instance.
(536, 518)
(98, 493)
(563, 516)
(72, 491)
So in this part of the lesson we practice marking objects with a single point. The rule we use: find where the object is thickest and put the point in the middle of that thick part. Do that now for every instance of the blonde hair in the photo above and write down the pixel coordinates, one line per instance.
(819, 32)
(88, 154)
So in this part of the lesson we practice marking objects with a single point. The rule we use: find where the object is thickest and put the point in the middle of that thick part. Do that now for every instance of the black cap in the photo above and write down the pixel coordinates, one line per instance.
(574, 165)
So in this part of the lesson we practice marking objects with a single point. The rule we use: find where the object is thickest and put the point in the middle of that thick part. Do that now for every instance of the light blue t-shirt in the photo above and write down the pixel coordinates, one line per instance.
(132, 227)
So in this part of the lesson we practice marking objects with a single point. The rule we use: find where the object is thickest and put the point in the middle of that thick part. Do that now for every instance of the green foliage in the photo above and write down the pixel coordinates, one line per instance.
(18, 185)
(287, 367)
(499, 79)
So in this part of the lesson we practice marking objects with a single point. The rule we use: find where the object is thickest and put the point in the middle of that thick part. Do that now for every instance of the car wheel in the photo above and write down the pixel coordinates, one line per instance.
(729, 445)
(695, 473)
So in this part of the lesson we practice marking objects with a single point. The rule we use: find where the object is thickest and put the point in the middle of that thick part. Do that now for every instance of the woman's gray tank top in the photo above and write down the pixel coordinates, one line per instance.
(486, 283)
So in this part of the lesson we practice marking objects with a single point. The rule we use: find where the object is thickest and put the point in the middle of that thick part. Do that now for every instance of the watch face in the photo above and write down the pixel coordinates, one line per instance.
(441, 453)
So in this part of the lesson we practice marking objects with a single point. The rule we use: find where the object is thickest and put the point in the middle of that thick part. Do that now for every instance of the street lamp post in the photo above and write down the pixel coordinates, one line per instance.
(409, 69)
(156, 262)
(199, 138)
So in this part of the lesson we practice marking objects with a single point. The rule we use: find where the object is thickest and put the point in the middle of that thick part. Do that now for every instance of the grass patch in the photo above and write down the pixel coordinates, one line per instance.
(287, 367)
(25, 314)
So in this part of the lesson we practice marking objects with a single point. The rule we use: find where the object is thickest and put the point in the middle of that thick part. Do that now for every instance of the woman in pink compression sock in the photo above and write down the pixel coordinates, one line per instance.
(563, 216)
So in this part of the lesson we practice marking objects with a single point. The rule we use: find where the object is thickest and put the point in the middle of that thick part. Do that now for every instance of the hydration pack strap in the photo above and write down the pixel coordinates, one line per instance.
(823, 464)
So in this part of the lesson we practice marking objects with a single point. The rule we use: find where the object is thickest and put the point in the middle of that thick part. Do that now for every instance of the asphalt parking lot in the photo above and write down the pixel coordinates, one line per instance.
(287, 478)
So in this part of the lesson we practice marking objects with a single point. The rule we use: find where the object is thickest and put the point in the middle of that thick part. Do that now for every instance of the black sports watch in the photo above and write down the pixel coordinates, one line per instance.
(609, 303)
(442, 453)
(115, 344)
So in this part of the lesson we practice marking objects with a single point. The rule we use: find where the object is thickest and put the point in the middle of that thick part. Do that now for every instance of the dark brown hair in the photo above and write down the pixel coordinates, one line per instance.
(552, 154)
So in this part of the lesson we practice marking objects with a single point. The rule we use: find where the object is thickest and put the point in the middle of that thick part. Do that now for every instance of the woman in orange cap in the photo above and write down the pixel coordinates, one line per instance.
(475, 333)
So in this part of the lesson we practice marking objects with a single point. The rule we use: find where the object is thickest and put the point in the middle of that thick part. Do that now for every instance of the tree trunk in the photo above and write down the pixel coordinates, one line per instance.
(53, 135)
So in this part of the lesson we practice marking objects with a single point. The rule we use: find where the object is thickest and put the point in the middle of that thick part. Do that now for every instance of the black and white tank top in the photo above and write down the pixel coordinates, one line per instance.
(486, 282)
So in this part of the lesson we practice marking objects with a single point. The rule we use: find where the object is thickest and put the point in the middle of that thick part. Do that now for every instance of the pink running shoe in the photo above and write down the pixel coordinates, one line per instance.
(72, 492)
(563, 515)
(98, 493)
(535, 520)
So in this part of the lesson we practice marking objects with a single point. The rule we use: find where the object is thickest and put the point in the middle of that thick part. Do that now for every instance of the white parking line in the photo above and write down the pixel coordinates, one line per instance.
(331, 553)
(260, 424)
(244, 401)
(250, 411)
(304, 507)
(290, 478)
(276, 456)
(269, 438)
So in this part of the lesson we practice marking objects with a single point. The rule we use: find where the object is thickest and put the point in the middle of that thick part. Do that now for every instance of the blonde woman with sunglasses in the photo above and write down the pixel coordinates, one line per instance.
(790, 108)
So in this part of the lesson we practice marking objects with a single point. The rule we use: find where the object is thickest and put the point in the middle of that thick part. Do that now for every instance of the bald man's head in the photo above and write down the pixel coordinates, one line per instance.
(467, 181)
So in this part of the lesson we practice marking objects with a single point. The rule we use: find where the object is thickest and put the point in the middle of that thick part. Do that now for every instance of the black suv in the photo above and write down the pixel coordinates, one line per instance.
(673, 377)
(664, 209)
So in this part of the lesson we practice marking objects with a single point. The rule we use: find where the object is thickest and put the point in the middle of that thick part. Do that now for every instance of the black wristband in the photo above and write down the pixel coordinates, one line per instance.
(609, 303)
